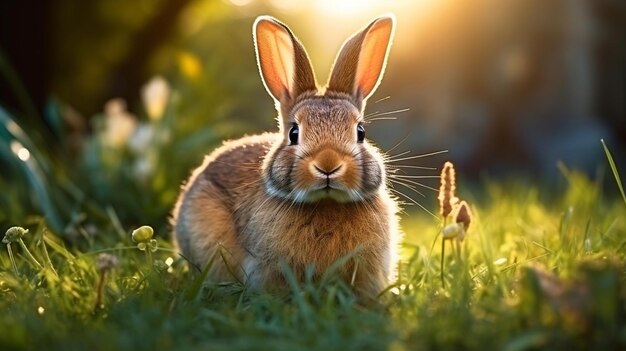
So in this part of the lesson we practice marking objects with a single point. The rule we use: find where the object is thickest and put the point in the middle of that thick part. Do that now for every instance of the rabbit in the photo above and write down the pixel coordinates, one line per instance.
(309, 195)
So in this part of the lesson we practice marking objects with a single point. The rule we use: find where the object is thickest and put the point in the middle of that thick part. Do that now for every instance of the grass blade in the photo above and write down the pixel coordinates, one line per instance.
(195, 288)
(614, 170)
(30, 164)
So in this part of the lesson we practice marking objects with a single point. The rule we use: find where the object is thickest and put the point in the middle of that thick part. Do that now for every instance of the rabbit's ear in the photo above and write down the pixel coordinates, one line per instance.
(361, 61)
(283, 62)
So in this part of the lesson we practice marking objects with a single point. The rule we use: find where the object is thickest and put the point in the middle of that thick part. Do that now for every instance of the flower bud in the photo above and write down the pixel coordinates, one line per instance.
(143, 234)
(155, 96)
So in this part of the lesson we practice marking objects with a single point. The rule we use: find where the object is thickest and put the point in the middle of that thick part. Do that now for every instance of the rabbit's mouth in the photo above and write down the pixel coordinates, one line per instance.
(329, 192)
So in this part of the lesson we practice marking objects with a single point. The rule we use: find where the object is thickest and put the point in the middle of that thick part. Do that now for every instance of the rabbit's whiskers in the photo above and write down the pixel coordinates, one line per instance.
(396, 191)
(382, 99)
(415, 176)
(394, 167)
(397, 177)
(409, 186)
(370, 116)
(405, 181)
(396, 159)
(369, 120)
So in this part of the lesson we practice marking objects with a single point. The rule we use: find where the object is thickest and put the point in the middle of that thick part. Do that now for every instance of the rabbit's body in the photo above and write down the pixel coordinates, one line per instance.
(307, 196)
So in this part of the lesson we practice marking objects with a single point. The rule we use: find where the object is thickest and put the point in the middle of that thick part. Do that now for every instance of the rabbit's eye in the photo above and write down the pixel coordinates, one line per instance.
(293, 134)
(360, 133)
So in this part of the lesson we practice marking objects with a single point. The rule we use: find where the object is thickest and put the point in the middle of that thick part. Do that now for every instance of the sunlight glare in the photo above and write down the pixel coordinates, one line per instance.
(12, 127)
(286, 5)
(240, 2)
(20, 151)
(345, 6)
(352, 7)
(500, 261)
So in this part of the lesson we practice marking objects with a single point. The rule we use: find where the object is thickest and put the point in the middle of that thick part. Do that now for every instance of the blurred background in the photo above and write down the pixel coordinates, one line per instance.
(108, 104)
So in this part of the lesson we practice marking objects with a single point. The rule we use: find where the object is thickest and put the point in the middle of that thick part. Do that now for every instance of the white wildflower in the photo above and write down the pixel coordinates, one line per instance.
(119, 124)
(140, 142)
(155, 96)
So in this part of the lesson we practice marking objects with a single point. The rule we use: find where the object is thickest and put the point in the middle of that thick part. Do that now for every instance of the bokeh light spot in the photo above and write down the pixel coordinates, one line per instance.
(20, 151)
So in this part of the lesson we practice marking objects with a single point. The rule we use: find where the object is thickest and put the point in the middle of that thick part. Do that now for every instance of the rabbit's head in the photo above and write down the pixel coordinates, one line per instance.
(323, 152)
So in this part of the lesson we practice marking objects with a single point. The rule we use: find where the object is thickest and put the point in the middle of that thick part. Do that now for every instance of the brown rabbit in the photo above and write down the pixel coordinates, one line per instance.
(308, 195)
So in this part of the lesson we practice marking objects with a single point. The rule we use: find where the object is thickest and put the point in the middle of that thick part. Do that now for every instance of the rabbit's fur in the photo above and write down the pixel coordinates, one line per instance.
(263, 201)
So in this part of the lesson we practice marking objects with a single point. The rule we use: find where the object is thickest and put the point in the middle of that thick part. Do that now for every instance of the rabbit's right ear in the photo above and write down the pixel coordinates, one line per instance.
(282, 60)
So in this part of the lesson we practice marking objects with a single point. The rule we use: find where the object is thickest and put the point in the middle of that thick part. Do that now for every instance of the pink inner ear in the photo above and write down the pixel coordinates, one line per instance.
(276, 58)
(372, 57)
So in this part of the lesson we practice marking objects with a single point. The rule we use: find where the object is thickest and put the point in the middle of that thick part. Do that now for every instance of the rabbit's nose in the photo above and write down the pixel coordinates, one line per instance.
(325, 172)
(327, 163)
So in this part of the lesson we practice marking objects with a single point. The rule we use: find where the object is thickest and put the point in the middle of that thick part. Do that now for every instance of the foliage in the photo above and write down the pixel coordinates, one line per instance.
(535, 271)
(529, 276)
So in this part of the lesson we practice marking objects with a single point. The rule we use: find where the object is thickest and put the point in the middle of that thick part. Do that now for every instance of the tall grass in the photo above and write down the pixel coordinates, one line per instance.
(609, 157)
(530, 277)
(531, 274)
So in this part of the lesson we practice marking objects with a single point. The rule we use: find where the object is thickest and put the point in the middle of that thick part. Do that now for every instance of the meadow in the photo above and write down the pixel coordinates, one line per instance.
(90, 153)
(538, 269)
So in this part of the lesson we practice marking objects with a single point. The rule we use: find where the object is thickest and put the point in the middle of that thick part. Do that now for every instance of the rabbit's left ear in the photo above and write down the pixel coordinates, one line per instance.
(360, 64)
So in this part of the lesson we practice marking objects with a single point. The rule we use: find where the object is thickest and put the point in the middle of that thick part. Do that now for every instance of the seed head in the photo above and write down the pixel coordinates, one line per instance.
(447, 199)
(14, 234)
(105, 262)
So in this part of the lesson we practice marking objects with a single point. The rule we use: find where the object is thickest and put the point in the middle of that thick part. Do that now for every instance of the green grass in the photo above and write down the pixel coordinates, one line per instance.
(531, 275)
(538, 269)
